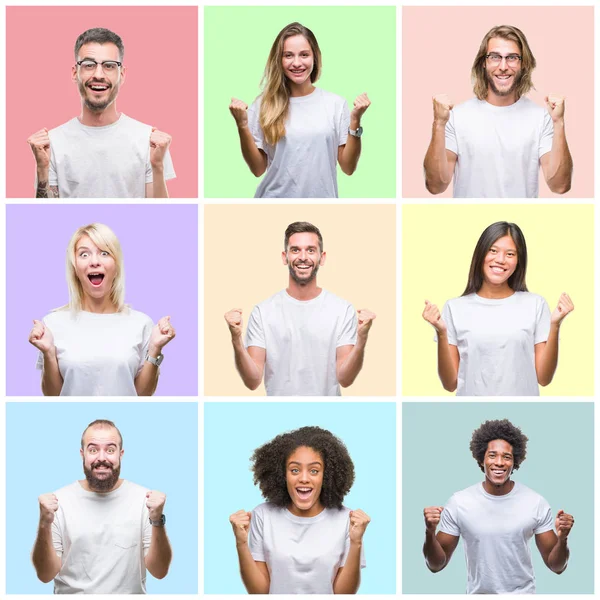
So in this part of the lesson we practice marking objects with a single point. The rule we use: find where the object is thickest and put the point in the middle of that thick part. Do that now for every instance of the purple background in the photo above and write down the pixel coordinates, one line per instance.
(160, 249)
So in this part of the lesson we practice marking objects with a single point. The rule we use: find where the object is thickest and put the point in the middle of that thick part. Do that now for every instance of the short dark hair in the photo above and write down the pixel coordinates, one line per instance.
(499, 430)
(99, 35)
(301, 227)
(102, 423)
(269, 465)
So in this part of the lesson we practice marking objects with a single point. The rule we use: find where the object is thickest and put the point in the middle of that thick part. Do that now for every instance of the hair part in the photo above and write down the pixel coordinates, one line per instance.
(102, 424)
(99, 35)
(478, 73)
(302, 227)
(275, 102)
(487, 239)
(499, 430)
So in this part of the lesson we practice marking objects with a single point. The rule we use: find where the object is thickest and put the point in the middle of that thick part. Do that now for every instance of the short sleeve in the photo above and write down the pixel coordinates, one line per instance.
(349, 330)
(451, 143)
(147, 535)
(57, 542)
(52, 176)
(256, 537)
(547, 135)
(448, 519)
(169, 171)
(39, 363)
(255, 334)
(344, 123)
(542, 322)
(450, 329)
(363, 562)
(146, 334)
(254, 125)
(544, 520)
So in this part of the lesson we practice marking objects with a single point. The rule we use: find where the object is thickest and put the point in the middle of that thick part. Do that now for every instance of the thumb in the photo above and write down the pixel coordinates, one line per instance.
(427, 303)
(35, 321)
(153, 128)
(560, 512)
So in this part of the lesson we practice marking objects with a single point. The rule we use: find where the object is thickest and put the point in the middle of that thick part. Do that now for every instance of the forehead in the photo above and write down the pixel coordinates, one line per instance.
(505, 242)
(499, 446)
(101, 435)
(296, 43)
(502, 46)
(99, 52)
(86, 241)
(305, 455)
(304, 239)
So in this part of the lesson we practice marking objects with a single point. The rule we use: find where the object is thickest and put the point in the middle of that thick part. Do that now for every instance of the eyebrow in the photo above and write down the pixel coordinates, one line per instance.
(295, 462)
(307, 247)
(508, 250)
(109, 444)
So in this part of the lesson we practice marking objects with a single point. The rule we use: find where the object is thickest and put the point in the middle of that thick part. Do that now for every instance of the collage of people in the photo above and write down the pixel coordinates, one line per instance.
(313, 298)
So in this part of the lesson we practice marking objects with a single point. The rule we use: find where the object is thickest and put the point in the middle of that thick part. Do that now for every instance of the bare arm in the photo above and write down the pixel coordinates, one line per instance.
(159, 554)
(438, 549)
(439, 163)
(255, 158)
(45, 560)
(44, 190)
(557, 165)
(347, 580)
(52, 380)
(349, 359)
(147, 379)
(158, 187)
(349, 153)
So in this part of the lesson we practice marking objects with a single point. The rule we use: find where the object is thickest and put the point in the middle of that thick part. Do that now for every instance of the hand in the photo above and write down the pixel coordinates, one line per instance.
(40, 146)
(358, 525)
(432, 516)
(361, 104)
(155, 502)
(365, 321)
(240, 521)
(564, 307)
(239, 110)
(442, 105)
(563, 524)
(48, 506)
(432, 315)
(162, 333)
(159, 144)
(234, 320)
(41, 337)
(555, 105)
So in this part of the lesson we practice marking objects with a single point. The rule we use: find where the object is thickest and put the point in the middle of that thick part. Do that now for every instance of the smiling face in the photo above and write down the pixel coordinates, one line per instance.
(304, 477)
(98, 89)
(498, 464)
(500, 262)
(101, 454)
(303, 257)
(297, 60)
(95, 268)
(502, 79)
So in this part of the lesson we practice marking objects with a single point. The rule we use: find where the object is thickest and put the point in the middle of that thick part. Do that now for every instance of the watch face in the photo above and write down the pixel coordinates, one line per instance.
(159, 359)
(359, 132)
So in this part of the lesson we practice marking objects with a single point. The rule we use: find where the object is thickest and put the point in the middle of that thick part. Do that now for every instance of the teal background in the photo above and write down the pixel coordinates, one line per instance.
(232, 431)
(559, 465)
(42, 455)
(358, 47)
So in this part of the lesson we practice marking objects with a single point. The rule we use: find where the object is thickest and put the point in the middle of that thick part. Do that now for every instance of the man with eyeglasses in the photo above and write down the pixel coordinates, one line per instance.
(101, 153)
(494, 144)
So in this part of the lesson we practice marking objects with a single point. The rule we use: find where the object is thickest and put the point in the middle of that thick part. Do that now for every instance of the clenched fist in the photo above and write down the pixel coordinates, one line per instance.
(555, 105)
(442, 105)
(162, 333)
(563, 524)
(365, 321)
(239, 110)
(159, 143)
(40, 146)
(432, 315)
(41, 337)
(563, 308)
(432, 516)
(240, 522)
(155, 503)
(234, 321)
(361, 104)
(48, 506)
(358, 525)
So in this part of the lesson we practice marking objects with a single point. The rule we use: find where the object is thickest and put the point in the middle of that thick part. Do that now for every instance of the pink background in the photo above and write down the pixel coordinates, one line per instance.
(161, 86)
(439, 45)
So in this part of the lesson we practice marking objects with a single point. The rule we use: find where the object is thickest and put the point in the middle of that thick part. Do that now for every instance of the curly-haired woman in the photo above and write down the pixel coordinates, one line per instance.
(302, 540)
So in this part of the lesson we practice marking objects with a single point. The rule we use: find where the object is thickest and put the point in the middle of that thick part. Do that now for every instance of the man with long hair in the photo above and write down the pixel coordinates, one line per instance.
(493, 145)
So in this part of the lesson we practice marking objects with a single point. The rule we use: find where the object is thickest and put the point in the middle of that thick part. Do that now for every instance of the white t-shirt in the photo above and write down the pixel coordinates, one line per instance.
(301, 339)
(303, 164)
(103, 162)
(496, 532)
(99, 354)
(495, 340)
(498, 148)
(102, 540)
(303, 554)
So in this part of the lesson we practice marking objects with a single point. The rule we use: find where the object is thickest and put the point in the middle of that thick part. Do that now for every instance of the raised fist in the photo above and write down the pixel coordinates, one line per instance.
(555, 105)
(358, 525)
(41, 337)
(240, 522)
(40, 146)
(563, 308)
(365, 321)
(162, 333)
(234, 321)
(239, 110)
(442, 105)
(563, 524)
(159, 143)
(432, 516)
(432, 315)
(361, 104)
(48, 506)
(155, 503)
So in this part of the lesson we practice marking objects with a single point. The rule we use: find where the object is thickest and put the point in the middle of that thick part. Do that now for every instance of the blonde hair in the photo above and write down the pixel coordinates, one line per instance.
(513, 34)
(105, 238)
(275, 100)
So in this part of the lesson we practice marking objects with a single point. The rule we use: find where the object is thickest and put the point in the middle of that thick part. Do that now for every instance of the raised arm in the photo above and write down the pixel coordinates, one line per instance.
(159, 144)
(159, 555)
(41, 337)
(349, 359)
(557, 165)
(347, 580)
(146, 380)
(438, 549)
(45, 560)
(255, 158)
(349, 153)
(553, 546)
(39, 143)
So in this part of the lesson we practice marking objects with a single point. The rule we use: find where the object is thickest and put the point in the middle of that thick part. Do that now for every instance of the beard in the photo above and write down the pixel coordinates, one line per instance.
(97, 105)
(106, 483)
(303, 280)
(492, 84)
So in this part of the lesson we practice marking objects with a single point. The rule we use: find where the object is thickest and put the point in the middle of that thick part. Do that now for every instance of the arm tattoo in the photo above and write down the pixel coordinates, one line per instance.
(46, 191)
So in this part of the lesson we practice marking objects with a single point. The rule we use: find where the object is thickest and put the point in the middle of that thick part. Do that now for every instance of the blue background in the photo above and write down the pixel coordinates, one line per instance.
(161, 452)
(232, 431)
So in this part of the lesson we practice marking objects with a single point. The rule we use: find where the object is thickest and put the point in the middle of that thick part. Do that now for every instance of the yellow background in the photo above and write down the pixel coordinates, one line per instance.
(437, 246)
(243, 245)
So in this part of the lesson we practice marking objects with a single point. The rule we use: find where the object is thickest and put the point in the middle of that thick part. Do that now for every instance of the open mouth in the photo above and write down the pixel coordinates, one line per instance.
(498, 472)
(96, 279)
(303, 267)
(304, 493)
(98, 87)
(502, 78)
(496, 269)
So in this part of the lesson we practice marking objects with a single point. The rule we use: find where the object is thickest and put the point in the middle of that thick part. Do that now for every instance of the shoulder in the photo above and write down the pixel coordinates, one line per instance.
(525, 492)
(468, 106)
(335, 301)
(137, 317)
(459, 497)
(529, 298)
(267, 510)
(527, 105)
(66, 128)
(134, 489)
(59, 316)
(460, 301)
(275, 300)
(330, 96)
(68, 490)
(133, 125)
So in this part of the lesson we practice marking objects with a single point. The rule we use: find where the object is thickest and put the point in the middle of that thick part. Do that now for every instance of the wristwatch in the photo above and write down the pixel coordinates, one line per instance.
(160, 523)
(355, 132)
(155, 361)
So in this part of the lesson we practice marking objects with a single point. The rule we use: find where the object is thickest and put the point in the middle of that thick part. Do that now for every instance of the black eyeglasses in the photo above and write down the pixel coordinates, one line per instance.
(108, 66)
(512, 60)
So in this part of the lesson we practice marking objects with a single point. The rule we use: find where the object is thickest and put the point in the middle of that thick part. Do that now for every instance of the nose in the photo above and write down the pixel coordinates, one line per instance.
(503, 63)
(304, 477)
(94, 260)
(296, 62)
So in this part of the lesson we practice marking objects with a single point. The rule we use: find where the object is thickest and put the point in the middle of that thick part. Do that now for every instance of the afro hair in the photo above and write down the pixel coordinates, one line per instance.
(499, 430)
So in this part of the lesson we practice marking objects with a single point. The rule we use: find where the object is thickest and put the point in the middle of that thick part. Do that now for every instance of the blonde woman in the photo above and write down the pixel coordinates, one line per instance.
(96, 345)
(294, 131)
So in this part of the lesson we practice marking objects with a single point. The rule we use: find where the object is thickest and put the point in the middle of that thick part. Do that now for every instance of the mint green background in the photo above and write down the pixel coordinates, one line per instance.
(559, 465)
(358, 46)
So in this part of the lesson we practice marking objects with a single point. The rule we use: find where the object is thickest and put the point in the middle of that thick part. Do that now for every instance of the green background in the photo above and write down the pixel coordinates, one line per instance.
(559, 465)
(358, 45)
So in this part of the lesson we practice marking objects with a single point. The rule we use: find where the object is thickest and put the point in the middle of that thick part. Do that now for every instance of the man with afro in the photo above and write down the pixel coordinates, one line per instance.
(497, 519)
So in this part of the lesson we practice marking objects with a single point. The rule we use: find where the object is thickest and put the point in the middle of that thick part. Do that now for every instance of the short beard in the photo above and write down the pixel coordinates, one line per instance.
(302, 281)
(98, 107)
(102, 485)
(491, 85)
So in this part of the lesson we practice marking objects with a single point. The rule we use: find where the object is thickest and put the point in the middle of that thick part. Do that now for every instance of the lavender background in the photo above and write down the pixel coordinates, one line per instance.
(160, 249)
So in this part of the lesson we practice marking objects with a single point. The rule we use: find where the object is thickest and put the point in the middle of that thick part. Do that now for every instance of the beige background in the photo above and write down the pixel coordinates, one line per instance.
(243, 245)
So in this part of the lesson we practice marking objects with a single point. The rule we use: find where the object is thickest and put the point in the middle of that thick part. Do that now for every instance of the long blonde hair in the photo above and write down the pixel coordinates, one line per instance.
(275, 101)
(506, 32)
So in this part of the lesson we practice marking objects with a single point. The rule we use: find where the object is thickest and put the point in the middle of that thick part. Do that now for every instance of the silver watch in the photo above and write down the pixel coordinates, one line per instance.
(355, 132)
(155, 361)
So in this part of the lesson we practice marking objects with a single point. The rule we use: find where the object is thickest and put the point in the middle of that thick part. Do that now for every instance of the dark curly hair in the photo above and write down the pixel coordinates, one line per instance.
(499, 430)
(269, 465)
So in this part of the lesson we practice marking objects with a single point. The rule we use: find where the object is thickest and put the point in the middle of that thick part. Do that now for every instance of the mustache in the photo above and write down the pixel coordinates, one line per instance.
(101, 463)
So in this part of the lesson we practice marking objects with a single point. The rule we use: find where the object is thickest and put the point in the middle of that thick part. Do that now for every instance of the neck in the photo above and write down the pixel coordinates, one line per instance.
(498, 490)
(496, 100)
(495, 292)
(304, 89)
(86, 486)
(98, 305)
(92, 118)
(313, 511)
(303, 292)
